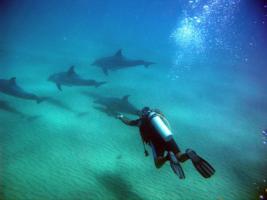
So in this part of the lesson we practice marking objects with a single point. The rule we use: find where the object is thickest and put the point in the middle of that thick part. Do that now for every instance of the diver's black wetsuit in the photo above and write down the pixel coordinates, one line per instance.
(151, 136)
(158, 145)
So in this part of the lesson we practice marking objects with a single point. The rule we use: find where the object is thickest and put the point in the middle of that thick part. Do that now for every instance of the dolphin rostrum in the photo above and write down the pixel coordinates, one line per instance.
(118, 61)
(71, 78)
(11, 88)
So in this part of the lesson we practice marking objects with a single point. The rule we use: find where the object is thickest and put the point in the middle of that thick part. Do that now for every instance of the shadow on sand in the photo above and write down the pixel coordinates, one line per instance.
(118, 186)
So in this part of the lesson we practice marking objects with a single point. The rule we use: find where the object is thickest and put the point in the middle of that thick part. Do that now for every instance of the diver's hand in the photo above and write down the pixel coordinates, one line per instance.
(119, 116)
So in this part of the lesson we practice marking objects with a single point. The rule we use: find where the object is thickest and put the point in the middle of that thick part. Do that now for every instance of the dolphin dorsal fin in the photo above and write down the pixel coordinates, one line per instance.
(125, 98)
(71, 70)
(118, 53)
(12, 80)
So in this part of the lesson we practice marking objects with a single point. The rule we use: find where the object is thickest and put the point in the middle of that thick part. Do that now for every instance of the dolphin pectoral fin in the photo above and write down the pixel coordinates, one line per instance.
(100, 83)
(147, 64)
(32, 118)
(105, 70)
(59, 86)
(41, 99)
(126, 97)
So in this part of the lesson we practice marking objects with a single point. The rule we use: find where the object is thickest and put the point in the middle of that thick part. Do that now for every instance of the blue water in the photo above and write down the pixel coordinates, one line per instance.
(209, 80)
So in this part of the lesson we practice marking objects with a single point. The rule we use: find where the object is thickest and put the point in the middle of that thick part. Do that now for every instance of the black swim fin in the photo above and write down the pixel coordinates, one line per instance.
(176, 166)
(201, 165)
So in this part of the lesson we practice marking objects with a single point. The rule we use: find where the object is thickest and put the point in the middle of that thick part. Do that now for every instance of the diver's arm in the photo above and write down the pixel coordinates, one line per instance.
(127, 121)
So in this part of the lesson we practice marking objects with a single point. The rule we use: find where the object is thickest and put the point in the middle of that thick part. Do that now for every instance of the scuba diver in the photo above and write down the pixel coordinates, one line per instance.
(155, 131)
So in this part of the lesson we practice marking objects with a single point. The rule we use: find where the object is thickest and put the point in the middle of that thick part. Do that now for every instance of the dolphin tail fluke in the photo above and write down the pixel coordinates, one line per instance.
(32, 118)
(41, 99)
(147, 64)
(82, 114)
(98, 84)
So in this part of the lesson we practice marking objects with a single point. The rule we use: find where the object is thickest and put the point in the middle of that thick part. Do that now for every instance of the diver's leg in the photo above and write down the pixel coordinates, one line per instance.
(201, 165)
(182, 157)
(158, 155)
(172, 146)
(175, 157)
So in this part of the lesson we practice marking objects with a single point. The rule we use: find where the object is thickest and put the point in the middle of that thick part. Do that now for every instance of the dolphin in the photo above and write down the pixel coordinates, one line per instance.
(10, 87)
(112, 106)
(4, 105)
(59, 104)
(71, 78)
(118, 61)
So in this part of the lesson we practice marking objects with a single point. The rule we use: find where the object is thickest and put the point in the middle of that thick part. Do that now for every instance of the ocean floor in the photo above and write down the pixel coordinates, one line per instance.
(78, 152)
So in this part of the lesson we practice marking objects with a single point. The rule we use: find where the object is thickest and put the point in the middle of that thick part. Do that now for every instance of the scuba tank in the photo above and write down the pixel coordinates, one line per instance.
(159, 122)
